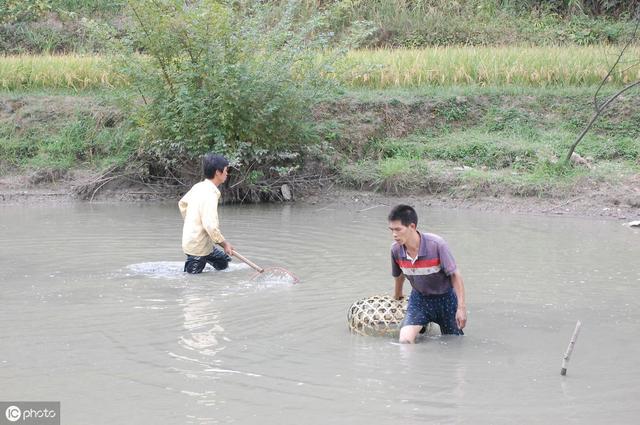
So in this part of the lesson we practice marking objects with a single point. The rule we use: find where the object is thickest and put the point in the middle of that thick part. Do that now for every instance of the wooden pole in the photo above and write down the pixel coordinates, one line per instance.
(572, 344)
(248, 262)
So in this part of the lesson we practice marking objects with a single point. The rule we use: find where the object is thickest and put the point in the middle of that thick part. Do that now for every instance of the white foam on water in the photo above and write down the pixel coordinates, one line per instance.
(175, 269)
(215, 369)
(268, 279)
(273, 277)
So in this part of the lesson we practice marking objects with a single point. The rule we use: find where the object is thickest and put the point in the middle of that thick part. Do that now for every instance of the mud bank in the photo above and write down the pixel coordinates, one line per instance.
(601, 202)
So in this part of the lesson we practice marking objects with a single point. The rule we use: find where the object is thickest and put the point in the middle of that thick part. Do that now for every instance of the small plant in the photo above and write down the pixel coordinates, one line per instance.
(452, 110)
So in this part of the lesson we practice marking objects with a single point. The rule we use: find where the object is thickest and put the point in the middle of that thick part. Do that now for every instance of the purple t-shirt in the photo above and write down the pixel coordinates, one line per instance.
(430, 272)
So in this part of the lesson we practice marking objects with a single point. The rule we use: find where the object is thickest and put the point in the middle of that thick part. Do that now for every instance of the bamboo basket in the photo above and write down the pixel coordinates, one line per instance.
(379, 315)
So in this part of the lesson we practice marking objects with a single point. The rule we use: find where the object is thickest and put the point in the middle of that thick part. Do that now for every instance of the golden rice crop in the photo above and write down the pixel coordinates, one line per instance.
(485, 66)
(377, 69)
(59, 71)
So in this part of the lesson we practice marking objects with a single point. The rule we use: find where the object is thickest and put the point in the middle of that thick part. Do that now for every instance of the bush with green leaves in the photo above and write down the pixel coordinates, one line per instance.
(227, 79)
(22, 10)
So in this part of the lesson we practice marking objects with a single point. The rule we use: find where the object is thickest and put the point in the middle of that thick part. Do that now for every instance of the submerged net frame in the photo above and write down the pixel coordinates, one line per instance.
(276, 274)
(379, 315)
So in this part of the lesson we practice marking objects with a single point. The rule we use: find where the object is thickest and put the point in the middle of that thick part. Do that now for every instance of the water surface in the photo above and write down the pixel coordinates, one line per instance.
(96, 313)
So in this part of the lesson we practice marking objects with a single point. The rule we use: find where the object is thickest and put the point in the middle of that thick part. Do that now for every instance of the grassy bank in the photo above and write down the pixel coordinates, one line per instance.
(61, 130)
(374, 69)
(464, 141)
(482, 141)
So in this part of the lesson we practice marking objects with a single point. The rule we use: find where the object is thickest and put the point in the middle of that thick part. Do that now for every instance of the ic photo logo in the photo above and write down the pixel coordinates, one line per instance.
(30, 412)
(13, 413)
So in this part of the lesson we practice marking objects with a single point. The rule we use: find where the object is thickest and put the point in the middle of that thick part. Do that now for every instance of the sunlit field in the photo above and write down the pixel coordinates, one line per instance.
(58, 72)
(376, 69)
(491, 66)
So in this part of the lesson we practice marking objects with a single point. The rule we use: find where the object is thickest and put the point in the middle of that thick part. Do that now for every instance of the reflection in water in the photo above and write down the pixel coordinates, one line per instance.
(202, 325)
(201, 338)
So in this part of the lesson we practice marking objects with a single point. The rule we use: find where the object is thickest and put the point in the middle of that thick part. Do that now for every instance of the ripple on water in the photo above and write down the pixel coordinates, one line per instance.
(174, 269)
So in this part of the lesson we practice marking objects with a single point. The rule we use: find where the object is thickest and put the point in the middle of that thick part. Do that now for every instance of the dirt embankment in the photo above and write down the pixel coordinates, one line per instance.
(356, 123)
(602, 203)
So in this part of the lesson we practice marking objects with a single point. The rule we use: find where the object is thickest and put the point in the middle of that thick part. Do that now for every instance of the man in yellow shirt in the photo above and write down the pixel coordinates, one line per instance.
(199, 209)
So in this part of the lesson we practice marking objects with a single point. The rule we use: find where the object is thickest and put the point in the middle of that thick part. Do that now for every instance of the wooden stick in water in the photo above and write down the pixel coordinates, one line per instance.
(248, 262)
(572, 344)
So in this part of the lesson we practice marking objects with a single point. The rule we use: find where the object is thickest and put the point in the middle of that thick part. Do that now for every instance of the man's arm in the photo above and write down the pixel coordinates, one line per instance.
(399, 280)
(458, 287)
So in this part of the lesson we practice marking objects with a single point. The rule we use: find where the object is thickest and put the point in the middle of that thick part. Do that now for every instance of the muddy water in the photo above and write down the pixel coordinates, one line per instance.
(96, 313)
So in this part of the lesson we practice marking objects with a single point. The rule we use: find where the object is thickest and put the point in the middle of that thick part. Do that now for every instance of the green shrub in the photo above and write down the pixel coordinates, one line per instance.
(227, 80)
(22, 10)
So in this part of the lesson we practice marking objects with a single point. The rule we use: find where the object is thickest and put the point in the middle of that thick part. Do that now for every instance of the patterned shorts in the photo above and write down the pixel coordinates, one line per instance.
(440, 309)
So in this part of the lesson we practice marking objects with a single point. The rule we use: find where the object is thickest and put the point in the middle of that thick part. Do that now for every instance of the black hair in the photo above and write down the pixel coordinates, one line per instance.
(405, 214)
(212, 163)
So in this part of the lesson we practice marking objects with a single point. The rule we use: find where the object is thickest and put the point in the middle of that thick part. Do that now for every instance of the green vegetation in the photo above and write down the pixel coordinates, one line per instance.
(470, 97)
(218, 80)
(57, 26)
(61, 132)
(489, 142)
(404, 23)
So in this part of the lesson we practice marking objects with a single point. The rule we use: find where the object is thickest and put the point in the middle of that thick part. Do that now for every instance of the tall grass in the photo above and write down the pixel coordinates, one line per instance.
(419, 23)
(58, 72)
(375, 69)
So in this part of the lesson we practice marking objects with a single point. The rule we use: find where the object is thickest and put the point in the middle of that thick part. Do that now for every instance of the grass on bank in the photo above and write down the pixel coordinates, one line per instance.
(371, 69)
(513, 146)
(546, 179)
(477, 141)
(85, 139)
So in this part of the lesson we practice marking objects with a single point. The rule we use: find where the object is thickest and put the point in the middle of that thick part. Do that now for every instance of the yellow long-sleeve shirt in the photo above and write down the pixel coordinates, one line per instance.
(199, 209)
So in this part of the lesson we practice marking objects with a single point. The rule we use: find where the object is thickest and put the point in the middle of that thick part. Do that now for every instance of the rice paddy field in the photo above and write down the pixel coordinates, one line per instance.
(491, 66)
(375, 69)
(58, 72)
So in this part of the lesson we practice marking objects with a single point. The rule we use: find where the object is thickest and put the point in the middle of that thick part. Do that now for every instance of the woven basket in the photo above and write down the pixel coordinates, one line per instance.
(379, 315)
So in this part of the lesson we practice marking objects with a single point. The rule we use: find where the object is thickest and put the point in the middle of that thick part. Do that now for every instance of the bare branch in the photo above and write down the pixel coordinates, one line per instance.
(606, 78)
(600, 108)
(158, 57)
(596, 115)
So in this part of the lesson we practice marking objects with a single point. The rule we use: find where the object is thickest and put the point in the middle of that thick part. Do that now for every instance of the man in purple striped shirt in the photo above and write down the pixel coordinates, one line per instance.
(426, 261)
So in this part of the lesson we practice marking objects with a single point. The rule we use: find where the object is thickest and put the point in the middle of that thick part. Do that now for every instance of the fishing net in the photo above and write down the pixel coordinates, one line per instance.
(275, 275)
(379, 315)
